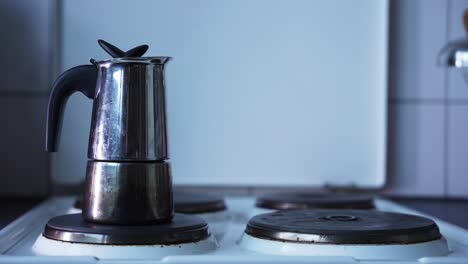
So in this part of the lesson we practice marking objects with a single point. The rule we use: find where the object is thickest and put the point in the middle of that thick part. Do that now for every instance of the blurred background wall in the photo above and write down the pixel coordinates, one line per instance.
(427, 104)
(428, 107)
(29, 52)
(260, 93)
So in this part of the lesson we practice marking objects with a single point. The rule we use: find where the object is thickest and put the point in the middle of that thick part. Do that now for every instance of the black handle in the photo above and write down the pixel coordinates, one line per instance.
(82, 79)
(137, 51)
(111, 49)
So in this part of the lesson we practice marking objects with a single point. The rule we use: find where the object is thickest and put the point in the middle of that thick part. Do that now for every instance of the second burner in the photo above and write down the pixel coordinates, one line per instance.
(197, 202)
(303, 200)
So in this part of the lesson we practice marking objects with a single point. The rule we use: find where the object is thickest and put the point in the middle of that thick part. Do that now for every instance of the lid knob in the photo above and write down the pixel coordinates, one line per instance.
(118, 53)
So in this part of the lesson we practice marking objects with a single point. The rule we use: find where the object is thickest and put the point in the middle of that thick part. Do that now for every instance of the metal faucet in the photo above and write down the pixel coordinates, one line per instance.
(455, 53)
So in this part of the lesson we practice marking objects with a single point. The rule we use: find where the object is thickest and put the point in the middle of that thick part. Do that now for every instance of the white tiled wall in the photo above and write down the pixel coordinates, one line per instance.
(457, 89)
(418, 30)
(416, 149)
(457, 112)
(416, 103)
(429, 117)
(457, 155)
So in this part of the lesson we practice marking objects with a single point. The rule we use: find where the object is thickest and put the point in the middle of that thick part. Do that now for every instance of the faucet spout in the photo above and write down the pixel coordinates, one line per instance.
(454, 54)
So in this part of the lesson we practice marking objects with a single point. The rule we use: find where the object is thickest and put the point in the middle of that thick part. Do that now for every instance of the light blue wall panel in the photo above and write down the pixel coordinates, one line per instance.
(259, 93)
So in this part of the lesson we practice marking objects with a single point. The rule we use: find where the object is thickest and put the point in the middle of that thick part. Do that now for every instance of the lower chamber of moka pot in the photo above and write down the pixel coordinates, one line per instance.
(127, 192)
(127, 211)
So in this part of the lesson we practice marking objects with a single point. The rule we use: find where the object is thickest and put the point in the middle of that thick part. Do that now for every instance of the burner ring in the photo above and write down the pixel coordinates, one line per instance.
(346, 226)
(72, 228)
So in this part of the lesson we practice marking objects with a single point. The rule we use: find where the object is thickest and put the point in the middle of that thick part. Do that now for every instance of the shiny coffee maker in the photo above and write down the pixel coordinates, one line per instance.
(128, 180)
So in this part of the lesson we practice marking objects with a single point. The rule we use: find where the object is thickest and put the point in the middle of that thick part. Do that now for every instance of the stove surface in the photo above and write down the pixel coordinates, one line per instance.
(19, 242)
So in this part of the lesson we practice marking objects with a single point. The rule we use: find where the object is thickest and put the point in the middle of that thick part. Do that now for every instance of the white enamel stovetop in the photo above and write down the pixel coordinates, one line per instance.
(21, 242)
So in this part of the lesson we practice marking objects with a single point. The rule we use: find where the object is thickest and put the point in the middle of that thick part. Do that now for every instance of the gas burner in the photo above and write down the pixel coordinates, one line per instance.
(197, 203)
(359, 233)
(283, 201)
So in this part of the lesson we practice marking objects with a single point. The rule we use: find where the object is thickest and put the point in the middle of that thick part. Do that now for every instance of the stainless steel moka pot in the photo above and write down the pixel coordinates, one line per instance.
(128, 179)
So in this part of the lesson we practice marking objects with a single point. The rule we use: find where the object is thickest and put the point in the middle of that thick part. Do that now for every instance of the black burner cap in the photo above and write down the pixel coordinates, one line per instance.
(343, 226)
(72, 228)
(197, 202)
(283, 201)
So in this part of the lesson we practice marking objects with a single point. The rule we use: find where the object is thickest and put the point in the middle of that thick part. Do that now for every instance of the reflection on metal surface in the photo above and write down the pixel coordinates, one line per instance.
(129, 111)
(128, 192)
